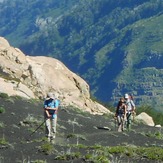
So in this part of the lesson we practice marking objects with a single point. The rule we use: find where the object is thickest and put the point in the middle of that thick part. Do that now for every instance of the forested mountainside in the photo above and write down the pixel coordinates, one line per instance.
(115, 45)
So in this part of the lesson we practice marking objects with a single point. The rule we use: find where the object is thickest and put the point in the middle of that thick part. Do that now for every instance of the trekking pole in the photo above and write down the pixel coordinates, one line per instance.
(36, 129)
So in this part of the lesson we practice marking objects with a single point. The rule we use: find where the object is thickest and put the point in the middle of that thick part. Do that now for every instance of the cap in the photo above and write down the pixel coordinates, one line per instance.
(50, 96)
(126, 95)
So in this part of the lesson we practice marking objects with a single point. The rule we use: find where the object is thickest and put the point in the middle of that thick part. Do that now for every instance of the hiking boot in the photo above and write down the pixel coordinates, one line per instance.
(52, 137)
(52, 141)
(128, 127)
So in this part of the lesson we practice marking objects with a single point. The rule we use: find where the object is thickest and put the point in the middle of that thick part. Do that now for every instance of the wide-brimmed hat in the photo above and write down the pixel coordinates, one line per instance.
(50, 96)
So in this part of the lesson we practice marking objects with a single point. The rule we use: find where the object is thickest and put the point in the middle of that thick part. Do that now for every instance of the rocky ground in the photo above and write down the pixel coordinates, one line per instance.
(79, 135)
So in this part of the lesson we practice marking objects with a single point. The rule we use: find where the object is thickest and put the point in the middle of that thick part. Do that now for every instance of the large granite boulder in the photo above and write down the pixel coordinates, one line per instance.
(34, 77)
(145, 118)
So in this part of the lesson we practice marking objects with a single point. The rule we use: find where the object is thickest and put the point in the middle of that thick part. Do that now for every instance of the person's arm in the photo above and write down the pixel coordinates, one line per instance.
(46, 109)
(117, 108)
(133, 110)
(55, 108)
(49, 108)
(116, 113)
(133, 106)
(47, 113)
(125, 111)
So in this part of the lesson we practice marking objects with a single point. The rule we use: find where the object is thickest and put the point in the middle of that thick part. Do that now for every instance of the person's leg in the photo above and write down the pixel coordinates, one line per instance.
(47, 128)
(123, 122)
(54, 125)
(119, 123)
(128, 121)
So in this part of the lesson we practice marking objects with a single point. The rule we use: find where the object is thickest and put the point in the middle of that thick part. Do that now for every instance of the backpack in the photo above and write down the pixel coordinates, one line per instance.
(131, 104)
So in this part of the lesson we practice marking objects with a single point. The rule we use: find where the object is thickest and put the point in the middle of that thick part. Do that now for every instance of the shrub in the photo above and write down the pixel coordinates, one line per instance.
(3, 141)
(31, 120)
(157, 135)
(2, 125)
(68, 156)
(4, 95)
(2, 110)
(47, 148)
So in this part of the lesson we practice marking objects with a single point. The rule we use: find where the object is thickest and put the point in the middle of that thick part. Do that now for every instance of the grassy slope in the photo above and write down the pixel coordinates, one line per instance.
(79, 135)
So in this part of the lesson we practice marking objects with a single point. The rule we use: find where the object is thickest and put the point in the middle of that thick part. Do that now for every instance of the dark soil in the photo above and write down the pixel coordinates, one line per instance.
(24, 144)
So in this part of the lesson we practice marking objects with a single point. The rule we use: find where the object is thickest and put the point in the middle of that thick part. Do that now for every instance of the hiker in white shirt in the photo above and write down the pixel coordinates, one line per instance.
(130, 108)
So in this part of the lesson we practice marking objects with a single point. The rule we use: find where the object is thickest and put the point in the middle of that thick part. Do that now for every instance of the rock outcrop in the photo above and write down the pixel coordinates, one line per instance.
(33, 77)
(146, 119)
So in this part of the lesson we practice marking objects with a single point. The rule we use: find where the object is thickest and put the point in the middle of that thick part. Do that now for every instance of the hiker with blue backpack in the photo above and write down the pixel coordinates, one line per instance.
(51, 105)
(130, 109)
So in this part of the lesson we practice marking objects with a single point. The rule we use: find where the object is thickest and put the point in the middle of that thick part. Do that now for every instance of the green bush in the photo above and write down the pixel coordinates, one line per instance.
(3, 141)
(157, 135)
(68, 156)
(2, 125)
(2, 110)
(4, 95)
(47, 148)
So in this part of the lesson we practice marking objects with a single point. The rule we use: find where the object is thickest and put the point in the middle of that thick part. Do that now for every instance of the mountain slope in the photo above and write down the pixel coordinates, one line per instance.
(81, 137)
(115, 46)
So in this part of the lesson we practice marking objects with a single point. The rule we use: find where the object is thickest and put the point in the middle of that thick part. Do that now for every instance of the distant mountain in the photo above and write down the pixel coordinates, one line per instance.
(116, 46)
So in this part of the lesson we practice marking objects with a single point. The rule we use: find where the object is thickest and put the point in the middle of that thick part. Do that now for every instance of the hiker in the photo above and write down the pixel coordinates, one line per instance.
(121, 114)
(50, 112)
(130, 108)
